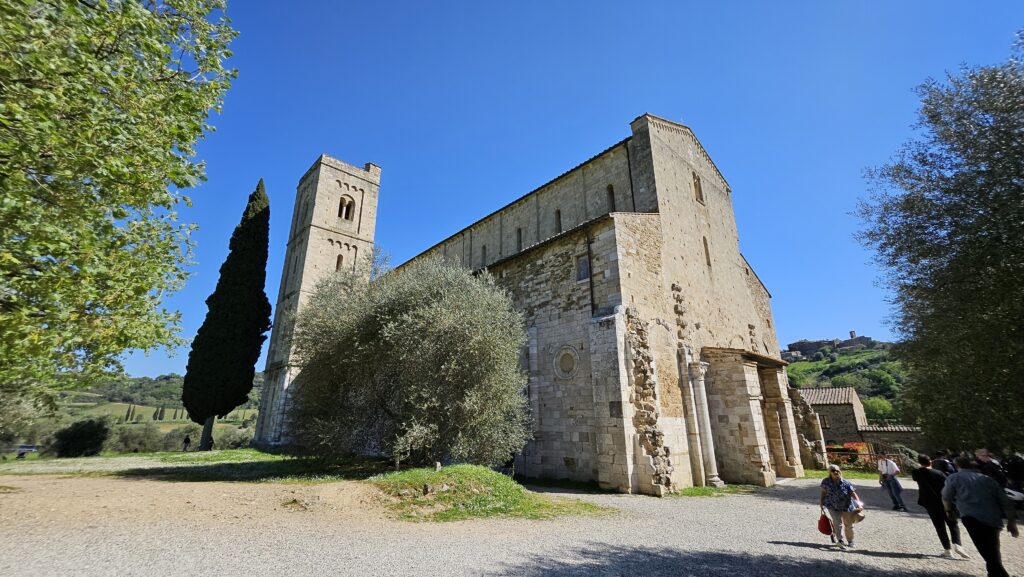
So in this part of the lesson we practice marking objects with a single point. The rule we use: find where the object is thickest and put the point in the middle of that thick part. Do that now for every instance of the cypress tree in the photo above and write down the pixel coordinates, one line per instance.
(156, 414)
(128, 414)
(221, 364)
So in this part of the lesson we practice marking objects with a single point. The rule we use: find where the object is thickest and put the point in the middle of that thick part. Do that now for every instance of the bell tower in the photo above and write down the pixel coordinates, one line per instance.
(332, 229)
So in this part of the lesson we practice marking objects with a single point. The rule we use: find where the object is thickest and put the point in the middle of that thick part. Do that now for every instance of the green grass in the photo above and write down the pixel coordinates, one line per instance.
(717, 491)
(234, 465)
(472, 492)
(847, 474)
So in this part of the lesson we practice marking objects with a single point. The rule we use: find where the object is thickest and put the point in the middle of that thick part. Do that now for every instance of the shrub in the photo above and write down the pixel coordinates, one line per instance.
(234, 439)
(81, 439)
(144, 438)
(172, 440)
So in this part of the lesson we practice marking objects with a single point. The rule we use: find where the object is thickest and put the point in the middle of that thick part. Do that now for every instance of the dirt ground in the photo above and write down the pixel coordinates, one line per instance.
(75, 502)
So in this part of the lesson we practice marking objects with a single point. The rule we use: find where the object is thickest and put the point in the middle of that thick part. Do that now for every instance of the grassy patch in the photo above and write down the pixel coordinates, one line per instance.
(468, 492)
(717, 491)
(8, 489)
(847, 474)
(234, 465)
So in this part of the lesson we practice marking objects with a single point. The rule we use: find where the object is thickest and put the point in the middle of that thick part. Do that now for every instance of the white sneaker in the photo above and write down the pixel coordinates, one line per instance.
(841, 545)
(947, 554)
(961, 551)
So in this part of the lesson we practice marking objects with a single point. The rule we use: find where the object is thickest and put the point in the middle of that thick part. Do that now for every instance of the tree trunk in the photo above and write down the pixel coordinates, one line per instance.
(206, 442)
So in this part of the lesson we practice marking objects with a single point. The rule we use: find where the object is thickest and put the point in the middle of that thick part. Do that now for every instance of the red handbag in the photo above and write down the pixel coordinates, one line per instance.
(824, 524)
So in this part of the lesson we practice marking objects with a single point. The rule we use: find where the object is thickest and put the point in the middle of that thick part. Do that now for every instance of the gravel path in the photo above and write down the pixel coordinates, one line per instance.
(90, 526)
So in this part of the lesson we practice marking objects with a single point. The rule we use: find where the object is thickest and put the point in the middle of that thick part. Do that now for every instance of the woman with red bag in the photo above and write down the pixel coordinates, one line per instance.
(840, 498)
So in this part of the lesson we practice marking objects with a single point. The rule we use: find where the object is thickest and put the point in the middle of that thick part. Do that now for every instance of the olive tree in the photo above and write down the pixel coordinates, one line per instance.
(420, 364)
(945, 221)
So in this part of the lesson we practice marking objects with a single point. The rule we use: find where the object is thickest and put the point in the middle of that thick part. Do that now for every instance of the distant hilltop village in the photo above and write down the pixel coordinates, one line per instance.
(804, 350)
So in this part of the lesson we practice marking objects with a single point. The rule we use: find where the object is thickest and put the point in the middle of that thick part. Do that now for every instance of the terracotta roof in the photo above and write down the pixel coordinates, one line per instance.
(829, 395)
(891, 428)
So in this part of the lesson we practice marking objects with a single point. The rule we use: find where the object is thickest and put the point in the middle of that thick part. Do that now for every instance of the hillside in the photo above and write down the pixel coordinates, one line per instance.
(162, 391)
(877, 377)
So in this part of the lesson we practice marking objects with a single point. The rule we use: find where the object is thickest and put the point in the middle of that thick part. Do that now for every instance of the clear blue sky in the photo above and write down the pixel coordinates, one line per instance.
(468, 105)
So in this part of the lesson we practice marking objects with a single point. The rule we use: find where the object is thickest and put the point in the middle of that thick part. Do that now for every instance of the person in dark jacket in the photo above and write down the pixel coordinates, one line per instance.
(982, 505)
(990, 467)
(930, 482)
(943, 462)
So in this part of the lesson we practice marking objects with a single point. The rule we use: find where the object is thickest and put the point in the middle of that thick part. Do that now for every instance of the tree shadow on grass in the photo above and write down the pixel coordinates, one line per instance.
(292, 470)
(605, 560)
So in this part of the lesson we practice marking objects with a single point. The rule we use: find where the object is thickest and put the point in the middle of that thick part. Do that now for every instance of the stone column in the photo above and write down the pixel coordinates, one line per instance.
(707, 443)
(692, 433)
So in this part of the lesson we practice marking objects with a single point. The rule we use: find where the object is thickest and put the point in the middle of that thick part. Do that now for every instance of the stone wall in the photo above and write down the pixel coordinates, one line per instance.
(559, 308)
(838, 423)
(808, 427)
(588, 191)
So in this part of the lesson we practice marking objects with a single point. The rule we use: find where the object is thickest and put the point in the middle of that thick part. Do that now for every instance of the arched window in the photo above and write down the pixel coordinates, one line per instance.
(338, 264)
(355, 256)
(698, 191)
(519, 239)
(707, 253)
(558, 221)
(346, 207)
(611, 198)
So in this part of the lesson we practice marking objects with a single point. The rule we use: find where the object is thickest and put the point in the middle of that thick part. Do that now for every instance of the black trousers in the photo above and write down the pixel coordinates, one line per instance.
(938, 516)
(986, 541)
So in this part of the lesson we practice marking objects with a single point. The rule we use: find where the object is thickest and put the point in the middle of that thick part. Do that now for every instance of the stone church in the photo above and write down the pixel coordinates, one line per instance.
(652, 358)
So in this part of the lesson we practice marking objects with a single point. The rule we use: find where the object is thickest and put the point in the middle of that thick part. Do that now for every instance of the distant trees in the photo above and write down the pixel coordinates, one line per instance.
(102, 105)
(221, 364)
(945, 221)
(421, 364)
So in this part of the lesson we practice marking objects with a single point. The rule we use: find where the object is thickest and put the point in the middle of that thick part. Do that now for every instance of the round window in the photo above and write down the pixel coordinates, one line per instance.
(566, 362)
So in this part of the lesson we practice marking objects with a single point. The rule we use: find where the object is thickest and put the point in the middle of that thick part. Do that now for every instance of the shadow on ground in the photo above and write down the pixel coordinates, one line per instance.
(875, 498)
(292, 470)
(605, 560)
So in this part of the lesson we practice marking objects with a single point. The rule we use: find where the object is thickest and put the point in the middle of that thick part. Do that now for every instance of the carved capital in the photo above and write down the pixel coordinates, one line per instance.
(698, 370)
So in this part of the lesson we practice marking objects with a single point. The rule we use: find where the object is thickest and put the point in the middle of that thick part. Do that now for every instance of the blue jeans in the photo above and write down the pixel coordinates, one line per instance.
(893, 487)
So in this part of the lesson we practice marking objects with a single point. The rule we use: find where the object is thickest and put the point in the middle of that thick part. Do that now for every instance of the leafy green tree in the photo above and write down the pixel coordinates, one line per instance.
(945, 221)
(222, 362)
(101, 105)
(878, 409)
(420, 363)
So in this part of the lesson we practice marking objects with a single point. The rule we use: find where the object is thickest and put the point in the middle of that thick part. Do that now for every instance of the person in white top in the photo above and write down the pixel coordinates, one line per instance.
(887, 471)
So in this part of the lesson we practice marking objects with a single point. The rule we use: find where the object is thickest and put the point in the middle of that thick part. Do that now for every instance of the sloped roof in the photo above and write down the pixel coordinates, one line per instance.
(829, 395)
(890, 428)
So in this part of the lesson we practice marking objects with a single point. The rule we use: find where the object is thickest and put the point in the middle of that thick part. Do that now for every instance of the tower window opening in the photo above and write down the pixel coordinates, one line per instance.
(338, 264)
(483, 255)
(611, 198)
(698, 190)
(346, 207)
(519, 239)
(558, 222)
(707, 253)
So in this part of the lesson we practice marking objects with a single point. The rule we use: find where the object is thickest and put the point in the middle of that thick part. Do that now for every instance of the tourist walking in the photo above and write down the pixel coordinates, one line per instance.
(943, 462)
(982, 504)
(990, 467)
(887, 471)
(930, 482)
(839, 497)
